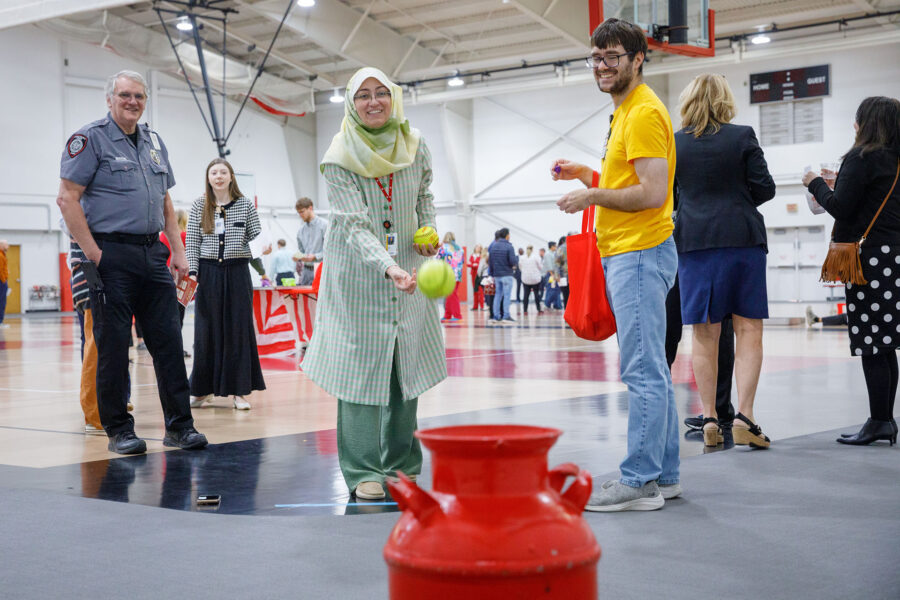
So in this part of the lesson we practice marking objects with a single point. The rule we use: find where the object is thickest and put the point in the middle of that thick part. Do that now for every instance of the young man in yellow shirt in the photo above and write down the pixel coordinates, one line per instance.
(633, 195)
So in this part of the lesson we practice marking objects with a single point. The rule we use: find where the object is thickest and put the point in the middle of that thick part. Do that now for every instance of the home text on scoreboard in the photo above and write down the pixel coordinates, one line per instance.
(793, 84)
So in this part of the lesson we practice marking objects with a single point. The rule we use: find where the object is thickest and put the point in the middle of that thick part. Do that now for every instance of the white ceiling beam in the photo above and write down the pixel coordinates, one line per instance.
(676, 64)
(568, 19)
(31, 11)
(885, 22)
(362, 19)
(275, 54)
(329, 25)
(406, 56)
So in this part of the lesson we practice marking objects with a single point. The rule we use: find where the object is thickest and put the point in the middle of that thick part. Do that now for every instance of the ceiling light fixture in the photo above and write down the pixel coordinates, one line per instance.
(306, 3)
(761, 37)
(456, 80)
(183, 24)
(336, 97)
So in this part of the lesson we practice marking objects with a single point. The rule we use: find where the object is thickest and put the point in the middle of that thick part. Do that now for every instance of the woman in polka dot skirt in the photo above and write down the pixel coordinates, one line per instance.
(867, 176)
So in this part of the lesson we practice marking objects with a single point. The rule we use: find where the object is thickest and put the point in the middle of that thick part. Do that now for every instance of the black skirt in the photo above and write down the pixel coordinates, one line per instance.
(873, 309)
(226, 361)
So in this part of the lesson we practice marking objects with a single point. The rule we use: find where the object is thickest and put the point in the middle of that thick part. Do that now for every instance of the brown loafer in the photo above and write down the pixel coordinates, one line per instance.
(369, 490)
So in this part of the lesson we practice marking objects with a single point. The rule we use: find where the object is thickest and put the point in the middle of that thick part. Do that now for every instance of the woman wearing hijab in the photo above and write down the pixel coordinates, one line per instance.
(377, 344)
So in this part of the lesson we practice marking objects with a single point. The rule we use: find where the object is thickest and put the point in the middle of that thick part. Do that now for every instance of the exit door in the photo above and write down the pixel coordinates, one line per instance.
(14, 297)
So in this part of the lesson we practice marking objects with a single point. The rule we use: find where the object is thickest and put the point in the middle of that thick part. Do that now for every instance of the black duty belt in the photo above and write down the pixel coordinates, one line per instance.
(136, 239)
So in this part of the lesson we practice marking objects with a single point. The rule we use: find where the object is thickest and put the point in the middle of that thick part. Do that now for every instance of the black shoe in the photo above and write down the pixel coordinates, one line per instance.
(694, 422)
(872, 431)
(697, 422)
(893, 424)
(186, 439)
(127, 442)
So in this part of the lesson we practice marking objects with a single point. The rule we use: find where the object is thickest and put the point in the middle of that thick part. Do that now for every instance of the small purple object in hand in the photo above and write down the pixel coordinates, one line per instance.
(557, 169)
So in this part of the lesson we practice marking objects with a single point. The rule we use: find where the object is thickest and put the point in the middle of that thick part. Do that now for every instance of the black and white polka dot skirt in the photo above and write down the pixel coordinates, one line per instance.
(873, 310)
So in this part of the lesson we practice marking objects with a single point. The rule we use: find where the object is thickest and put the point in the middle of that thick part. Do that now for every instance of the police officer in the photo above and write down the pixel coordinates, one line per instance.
(113, 194)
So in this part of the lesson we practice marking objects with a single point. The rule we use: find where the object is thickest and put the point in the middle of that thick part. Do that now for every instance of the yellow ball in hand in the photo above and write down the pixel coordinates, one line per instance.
(436, 279)
(426, 235)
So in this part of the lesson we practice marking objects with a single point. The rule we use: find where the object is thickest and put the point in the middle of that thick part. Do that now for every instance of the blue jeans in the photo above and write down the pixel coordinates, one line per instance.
(637, 284)
(501, 297)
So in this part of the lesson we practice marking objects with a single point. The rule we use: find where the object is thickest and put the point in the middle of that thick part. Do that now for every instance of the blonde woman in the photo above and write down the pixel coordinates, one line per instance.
(721, 240)
(220, 227)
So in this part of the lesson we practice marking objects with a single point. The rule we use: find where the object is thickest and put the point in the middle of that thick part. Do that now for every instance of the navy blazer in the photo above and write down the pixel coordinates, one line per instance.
(722, 177)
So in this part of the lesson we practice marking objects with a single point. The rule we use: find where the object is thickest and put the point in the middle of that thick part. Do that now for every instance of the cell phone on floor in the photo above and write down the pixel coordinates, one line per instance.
(208, 500)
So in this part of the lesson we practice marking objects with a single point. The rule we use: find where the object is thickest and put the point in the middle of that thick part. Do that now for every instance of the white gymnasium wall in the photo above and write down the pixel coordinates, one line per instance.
(60, 88)
(490, 154)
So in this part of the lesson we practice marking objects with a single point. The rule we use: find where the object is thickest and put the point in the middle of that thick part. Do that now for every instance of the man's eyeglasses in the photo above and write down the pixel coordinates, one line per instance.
(126, 96)
(366, 96)
(610, 60)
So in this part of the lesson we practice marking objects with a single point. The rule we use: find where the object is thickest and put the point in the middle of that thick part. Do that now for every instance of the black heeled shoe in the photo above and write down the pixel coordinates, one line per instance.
(872, 431)
(847, 435)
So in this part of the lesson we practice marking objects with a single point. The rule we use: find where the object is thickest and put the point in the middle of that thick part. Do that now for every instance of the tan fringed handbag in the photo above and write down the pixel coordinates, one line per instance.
(842, 261)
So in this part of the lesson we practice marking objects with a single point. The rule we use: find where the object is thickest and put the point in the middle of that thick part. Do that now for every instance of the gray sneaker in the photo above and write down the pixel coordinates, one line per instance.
(615, 496)
(669, 491)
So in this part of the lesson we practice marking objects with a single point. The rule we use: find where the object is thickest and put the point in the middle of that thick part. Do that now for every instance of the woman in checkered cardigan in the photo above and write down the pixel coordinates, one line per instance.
(221, 224)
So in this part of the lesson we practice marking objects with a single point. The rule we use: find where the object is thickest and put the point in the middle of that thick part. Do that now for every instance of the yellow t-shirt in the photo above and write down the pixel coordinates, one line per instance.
(641, 128)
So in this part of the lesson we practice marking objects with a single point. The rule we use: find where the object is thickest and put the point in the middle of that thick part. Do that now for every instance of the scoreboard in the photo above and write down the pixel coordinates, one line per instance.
(793, 84)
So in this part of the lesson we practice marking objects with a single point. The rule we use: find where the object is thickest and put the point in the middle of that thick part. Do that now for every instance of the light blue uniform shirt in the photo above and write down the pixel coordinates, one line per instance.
(283, 261)
(125, 186)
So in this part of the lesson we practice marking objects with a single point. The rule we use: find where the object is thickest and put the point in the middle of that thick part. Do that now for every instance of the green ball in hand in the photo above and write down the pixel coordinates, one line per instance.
(435, 279)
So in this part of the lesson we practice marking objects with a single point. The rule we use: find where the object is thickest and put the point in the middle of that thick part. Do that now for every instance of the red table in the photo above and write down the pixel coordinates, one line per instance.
(283, 317)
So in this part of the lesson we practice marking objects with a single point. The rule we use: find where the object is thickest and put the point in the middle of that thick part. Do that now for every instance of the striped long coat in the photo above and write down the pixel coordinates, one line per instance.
(361, 318)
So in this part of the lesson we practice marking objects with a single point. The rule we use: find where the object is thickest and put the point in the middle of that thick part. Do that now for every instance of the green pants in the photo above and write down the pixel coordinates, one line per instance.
(377, 440)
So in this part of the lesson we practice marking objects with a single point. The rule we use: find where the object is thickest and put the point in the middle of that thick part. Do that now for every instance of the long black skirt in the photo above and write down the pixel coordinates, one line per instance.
(226, 361)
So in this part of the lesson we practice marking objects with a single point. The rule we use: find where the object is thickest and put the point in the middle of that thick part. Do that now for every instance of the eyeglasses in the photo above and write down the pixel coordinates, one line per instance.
(366, 96)
(126, 96)
(610, 60)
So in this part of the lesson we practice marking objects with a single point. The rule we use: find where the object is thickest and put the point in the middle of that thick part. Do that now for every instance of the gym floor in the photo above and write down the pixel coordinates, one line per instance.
(280, 457)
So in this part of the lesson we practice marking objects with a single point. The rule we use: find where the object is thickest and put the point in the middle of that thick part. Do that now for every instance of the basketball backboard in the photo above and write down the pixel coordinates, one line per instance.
(664, 32)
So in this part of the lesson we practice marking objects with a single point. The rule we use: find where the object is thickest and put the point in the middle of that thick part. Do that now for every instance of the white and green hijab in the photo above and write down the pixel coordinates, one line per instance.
(373, 152)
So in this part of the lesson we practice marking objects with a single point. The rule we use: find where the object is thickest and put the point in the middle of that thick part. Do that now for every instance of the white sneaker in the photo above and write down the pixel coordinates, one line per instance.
(240, 403)
(669, 491)
(91, 430)
(198, 401)
(811, 317)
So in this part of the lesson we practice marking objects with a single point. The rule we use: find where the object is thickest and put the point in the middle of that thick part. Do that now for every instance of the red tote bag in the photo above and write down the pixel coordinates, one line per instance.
(588, 312)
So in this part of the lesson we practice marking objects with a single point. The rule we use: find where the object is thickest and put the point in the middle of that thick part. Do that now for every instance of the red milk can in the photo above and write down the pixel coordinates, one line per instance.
(496, 525)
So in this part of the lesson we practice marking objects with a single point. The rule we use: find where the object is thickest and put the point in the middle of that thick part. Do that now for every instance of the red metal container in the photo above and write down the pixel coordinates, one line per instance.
(496, 525)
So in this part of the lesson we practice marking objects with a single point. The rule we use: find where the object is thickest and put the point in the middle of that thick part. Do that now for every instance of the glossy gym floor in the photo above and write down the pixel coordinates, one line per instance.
(280, 458)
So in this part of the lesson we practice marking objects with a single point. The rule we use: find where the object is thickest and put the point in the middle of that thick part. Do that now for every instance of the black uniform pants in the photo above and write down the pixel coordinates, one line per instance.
(724, 408)
(137, 282)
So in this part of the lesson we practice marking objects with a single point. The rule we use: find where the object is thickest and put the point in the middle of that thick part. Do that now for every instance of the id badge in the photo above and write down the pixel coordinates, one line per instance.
(390, 243)
(220, 225)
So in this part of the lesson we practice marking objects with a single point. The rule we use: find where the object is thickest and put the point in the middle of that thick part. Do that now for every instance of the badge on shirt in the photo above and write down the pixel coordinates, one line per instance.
(75, 145)
(155, 157)
(390, 243)
(220, 225)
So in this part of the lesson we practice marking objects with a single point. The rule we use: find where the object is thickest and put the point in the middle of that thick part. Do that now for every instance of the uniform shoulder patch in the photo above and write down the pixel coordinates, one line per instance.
(76, 144)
